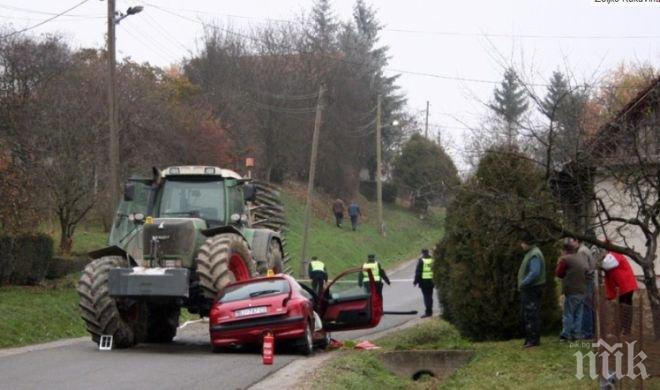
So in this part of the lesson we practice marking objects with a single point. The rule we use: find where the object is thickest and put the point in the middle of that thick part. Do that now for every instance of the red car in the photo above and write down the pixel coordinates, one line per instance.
(245, 311)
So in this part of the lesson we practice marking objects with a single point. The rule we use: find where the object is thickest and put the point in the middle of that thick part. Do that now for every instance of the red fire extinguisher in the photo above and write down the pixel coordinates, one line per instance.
(268, 353)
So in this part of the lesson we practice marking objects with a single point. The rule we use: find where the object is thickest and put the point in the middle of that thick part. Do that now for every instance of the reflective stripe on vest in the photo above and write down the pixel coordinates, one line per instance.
(427, 268)
(317, 265)
(374, 271)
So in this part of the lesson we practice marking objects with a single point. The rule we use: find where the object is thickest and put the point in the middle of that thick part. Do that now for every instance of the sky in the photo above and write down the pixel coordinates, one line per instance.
(449, 53)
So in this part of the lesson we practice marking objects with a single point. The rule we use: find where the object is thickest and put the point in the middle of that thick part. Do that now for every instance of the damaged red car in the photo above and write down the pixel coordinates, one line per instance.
(245, 311)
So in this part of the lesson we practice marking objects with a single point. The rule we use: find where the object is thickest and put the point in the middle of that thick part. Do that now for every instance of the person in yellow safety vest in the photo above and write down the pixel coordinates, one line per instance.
(424, 278)
(377, 271)
(318, 274)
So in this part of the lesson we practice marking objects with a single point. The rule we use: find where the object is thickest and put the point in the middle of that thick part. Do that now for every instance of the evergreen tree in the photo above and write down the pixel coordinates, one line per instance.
(510, 103)
(479, 257)
(426, 170)
(323, 29)
(564, 106)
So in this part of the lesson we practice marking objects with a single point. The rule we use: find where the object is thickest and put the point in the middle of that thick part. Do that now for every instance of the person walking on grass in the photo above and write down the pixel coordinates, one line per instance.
(355, 213)
(424, 278)
(572, 270)
(531, 280)
(338, 211)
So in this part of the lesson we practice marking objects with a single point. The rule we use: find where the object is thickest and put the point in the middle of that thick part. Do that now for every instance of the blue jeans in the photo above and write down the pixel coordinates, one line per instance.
(572, 317)
(588, 330)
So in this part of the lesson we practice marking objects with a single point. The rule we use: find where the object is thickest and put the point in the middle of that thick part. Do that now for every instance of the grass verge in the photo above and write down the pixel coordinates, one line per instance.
(38, 314)
(499, 365)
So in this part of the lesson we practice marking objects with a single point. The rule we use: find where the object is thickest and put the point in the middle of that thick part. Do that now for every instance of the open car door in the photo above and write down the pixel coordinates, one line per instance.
(347, 304)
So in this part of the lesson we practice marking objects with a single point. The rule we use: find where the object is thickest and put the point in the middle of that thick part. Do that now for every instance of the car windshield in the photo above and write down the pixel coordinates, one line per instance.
(254, 290)
(193, 198)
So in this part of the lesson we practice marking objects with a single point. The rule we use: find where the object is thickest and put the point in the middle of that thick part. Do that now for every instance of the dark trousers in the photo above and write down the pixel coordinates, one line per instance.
(626, 312)
(530, 313)
(588, 322)
(339, 218)
(427, 292)
(354, 221)
(317, 285)
(379, 288)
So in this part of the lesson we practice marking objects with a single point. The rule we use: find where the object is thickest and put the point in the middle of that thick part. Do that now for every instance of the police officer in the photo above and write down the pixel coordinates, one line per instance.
(377, 271)
(318, 274)
(424, 278)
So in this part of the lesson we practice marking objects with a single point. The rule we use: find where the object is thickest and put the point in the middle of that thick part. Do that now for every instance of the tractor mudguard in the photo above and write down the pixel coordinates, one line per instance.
(260, 242)
(221, 229)
(112, 250)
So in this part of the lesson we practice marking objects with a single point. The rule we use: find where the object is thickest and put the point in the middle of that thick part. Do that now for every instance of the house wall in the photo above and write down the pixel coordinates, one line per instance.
(620, 204)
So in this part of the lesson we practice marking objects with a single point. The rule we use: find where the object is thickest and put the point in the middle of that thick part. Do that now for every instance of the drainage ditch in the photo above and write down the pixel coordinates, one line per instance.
(416, 365)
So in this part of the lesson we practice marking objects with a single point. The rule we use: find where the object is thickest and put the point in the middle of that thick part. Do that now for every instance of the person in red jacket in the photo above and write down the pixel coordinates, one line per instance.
(620, 282)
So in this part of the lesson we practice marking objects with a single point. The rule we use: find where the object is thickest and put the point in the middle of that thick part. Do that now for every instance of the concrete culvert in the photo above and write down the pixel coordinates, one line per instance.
(417, 365)
(421, 375)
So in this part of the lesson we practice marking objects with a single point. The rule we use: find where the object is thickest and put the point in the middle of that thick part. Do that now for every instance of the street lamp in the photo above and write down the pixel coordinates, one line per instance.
(113, 19)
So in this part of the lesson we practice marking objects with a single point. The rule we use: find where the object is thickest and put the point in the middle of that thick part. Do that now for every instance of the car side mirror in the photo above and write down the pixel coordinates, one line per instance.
(249, 192)
(129, 192)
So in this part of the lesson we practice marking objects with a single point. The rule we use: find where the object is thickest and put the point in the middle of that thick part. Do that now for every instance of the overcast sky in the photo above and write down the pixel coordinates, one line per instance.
(454, 39)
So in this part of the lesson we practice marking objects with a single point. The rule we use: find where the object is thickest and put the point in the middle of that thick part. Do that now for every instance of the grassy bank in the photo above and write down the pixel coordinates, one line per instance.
(37, 314)
(342, 248)
(495, 364)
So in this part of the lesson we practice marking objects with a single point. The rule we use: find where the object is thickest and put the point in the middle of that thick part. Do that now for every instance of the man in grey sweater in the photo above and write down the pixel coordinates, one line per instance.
(572, 270)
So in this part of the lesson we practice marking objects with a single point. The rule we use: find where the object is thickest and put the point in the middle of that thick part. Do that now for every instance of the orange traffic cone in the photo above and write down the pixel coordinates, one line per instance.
(268, 353)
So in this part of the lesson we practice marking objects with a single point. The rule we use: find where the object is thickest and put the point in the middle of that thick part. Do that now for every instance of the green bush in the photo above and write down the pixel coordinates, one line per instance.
(61, 266)
(24, 259)
(368, 189)
(477, 262)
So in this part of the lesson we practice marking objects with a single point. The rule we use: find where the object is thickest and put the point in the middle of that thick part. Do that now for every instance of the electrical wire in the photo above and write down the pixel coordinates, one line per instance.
(44, 21)
(33, 11)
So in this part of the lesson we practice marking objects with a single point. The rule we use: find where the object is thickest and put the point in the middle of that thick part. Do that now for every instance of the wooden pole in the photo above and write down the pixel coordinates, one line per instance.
(379, 169)
(426, 123)
(112, 107)
(310, 183)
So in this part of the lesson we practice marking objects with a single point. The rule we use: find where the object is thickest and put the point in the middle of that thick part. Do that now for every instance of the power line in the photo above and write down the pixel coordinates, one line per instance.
(33, 11)
(431, 32)
(44, 21)
(522, 36)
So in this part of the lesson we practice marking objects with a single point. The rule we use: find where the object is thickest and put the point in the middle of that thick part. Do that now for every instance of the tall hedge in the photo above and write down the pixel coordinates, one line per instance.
(478, 260)
(25, 259)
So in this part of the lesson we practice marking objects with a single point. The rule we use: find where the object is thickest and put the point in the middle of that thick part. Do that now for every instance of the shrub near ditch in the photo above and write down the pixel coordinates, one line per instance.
(24, 259)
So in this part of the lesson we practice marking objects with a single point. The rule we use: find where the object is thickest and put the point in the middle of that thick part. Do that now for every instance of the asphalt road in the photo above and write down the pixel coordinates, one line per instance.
(183, 364)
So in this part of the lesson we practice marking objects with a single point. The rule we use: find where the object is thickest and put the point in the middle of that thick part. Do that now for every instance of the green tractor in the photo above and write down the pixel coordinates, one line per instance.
(177, 239)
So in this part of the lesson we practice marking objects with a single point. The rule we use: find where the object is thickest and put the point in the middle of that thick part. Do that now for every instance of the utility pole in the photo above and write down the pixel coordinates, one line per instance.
(310, 183)
(426, 124)
(113, 115)
(379, 170)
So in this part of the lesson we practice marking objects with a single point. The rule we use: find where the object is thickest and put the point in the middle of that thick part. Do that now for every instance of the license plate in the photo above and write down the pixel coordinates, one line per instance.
(251, 311)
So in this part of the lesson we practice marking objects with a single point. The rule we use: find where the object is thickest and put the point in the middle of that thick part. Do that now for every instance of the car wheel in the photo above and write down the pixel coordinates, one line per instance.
(307, 342)
(325, 343)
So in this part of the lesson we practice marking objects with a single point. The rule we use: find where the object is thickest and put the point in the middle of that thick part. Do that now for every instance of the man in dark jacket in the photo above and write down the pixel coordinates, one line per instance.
(355, 213)
(424, 278)
(531, 280)
(377, 271)
(572, 270)
(338, 210)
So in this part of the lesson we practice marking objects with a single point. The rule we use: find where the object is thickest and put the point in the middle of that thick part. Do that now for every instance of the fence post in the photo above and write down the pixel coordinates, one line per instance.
(640, 299)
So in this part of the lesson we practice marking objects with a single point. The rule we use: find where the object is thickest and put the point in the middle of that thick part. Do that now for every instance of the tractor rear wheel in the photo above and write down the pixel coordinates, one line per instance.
(221, 260)
(275, 257)
(162, 323)
(125, 320)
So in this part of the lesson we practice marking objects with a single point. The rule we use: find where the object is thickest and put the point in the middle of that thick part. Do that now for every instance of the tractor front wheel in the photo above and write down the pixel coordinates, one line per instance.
(221, 260)
(123, 319)
(163, 323)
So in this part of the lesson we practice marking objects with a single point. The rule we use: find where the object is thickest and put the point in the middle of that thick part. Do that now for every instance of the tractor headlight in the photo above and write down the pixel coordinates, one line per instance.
(209, 171)
(173, 263)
